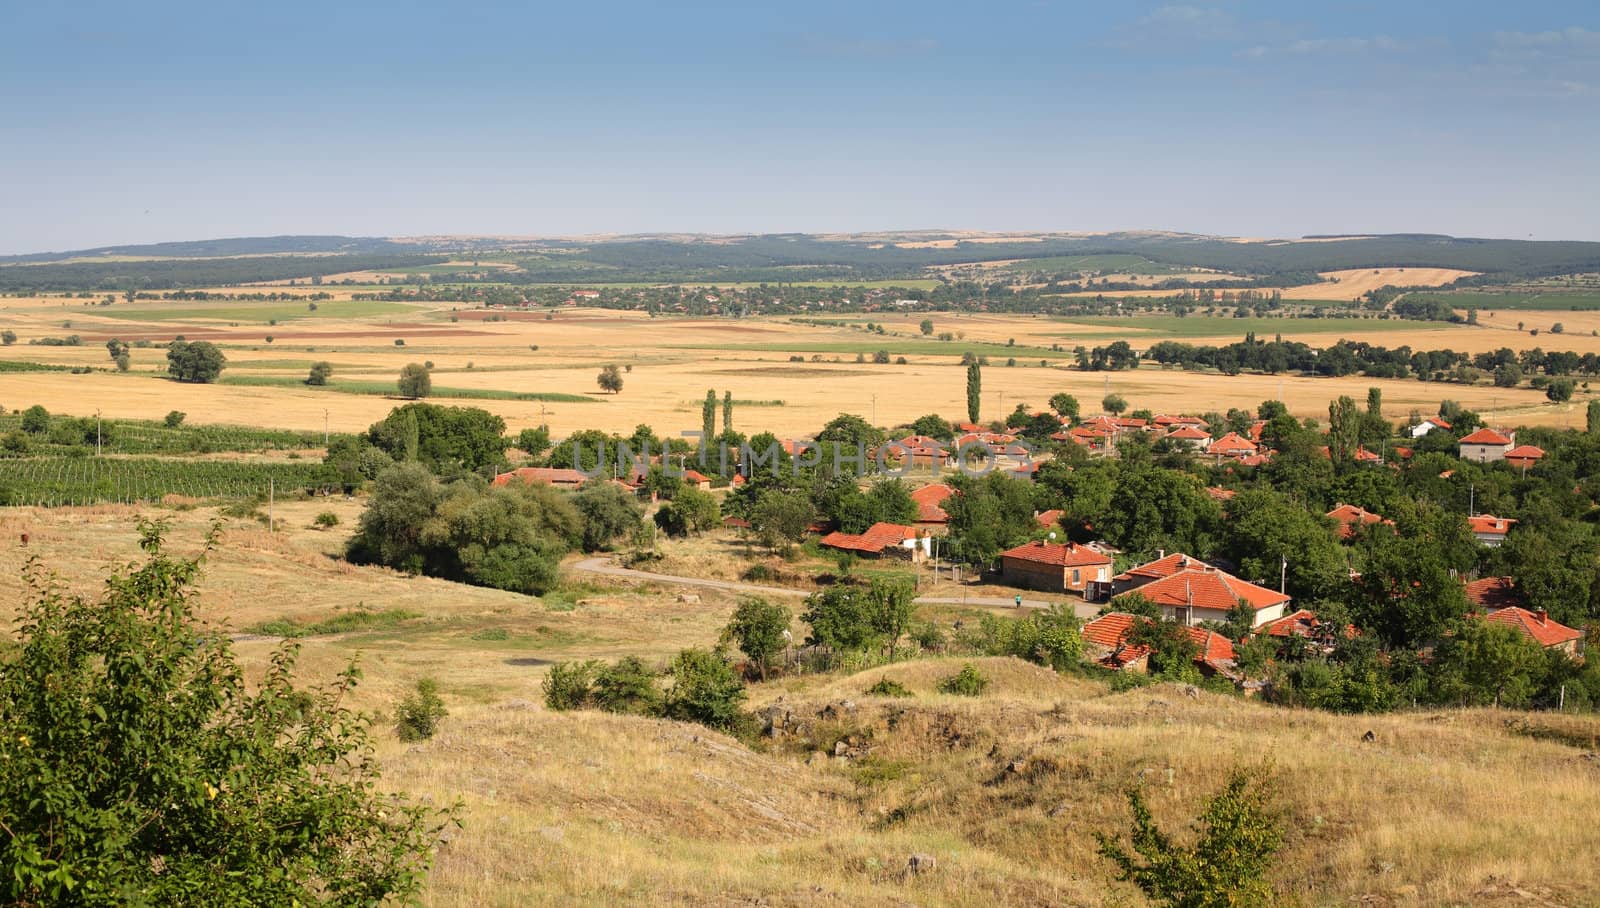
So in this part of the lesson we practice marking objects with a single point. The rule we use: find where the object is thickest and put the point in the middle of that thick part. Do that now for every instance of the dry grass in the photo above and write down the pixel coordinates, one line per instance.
(1444, 808)
(1351, 283)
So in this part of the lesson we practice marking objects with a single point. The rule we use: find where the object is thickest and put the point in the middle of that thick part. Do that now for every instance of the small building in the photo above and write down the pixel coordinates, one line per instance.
(1494, 593)
(559, 477)
(1486, 445)
(1349, 518)
(1106, 642)
(1231, 445)
(930, 499)
(895, 540)
(1200, 592)
(1524, 456)
(1489, 529)
(1048, 519)
(1540, 628)
(1190, 436)
(1054, 567)
(1165, 566)
(1428, 425)
(696, 479)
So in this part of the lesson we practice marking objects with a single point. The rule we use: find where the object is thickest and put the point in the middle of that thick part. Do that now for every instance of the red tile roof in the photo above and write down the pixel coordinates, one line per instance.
(1538, 626)
(1231, 445)
(1525, 452)
(695, 476)
(878, 537)
(1493, 593)
(1486, 436)
(1161, 567)
(1490, 525)
(1110, 631)
(1054, 553)
(1048, 519)
(1218, 493)
(928, 499)
(1189, 433)
(546, 475)
(1348, 516)
(1207, 588)
(1299, 624)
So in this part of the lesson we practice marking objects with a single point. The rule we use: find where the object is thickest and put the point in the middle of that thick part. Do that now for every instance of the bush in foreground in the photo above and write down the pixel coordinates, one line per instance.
(419, 713)
(137, 767)
(1226, 866)
(969, 682)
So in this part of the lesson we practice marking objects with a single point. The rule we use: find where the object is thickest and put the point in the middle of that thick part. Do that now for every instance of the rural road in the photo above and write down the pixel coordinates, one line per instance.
(606, 568)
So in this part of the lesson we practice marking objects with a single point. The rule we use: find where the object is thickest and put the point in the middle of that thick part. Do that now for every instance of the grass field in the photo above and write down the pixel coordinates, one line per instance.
(1005, 791)
(254, 313)
(1116, 263)
(390, 389)
(1552, 300)
(1145, 328)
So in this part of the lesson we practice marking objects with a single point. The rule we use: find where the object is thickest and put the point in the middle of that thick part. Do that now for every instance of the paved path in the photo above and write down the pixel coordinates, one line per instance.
(605, 567)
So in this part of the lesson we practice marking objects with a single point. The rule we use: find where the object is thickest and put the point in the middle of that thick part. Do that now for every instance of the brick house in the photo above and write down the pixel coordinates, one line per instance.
(1054, 567)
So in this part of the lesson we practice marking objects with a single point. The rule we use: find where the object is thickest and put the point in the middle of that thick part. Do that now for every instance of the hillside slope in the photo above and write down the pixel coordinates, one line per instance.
(1005, 792)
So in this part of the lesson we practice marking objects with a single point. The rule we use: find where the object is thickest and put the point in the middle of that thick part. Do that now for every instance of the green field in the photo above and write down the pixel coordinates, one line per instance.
(1550, 301)
(1112, 263)
(1162, 327)
(896, 347)
(59, 481)
(378, 388)
(257, 313)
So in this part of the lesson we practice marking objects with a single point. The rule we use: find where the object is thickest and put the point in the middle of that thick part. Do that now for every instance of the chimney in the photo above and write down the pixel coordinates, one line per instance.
(1542, 615)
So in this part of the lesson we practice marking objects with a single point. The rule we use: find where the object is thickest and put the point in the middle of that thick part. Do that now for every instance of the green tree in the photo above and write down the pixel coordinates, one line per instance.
(708, 418)
(689, 511)
(891, 603)
(781, 517)
(1483, 663)
(926, 326)
(933, 426)
(727, 412)
(1114, 403)
(447, 439)
(851, 431)
(418, 714)
(174, 419)
(138, 765)
(609, 379)
(704, 689)
(1406, 592)
(199, 361)
(8, 337)
(608, 512)
(535, 441)
(968, 682)
(36, 420)
(759, 629)
(1065, 405)
(1344, 429)
(841, 619)
(974, 391)
(1265, 530)
(416, 382)
(1560, 389)
(320, 373)
(1592, 417)
(1226, 867)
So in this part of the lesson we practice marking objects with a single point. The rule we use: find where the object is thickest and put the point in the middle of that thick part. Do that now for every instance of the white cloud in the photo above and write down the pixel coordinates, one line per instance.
(1344, 47)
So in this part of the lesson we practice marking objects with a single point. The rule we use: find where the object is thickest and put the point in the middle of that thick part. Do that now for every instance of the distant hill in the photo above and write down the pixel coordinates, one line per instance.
(773, 258)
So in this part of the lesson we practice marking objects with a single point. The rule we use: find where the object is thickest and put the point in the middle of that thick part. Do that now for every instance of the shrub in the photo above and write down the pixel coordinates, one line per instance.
(36, 420)
(320, 373)
(705, 689)
(327, 519)
(418, 715)
(136, 763)
(568, 685)
(888, 688)
(969, 682)
(174, 418)
(627, 686)
(1226, 867)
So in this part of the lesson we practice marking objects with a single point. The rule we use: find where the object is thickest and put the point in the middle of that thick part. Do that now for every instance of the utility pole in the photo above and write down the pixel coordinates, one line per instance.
(874, 409)
(1283, 572)
(324, 428)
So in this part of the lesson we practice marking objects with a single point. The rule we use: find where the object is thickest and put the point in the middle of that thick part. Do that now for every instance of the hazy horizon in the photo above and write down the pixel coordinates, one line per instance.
(184, 121)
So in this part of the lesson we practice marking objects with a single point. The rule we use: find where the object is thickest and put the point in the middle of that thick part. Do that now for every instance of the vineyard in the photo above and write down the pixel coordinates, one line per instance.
(62, 481)
(129, 436)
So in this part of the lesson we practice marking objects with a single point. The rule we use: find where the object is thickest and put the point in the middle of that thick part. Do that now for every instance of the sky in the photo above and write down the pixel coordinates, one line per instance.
(143, 122)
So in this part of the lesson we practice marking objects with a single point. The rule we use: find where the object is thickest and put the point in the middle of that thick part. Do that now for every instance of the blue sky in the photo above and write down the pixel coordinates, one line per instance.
(123, 122)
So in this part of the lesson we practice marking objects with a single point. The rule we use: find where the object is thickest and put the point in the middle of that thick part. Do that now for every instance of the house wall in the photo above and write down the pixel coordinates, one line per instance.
(1033, 575)
(1483, 453)
(1197, 615)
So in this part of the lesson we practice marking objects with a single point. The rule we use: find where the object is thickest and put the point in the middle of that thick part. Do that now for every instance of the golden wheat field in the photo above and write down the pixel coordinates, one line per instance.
(788, 376)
